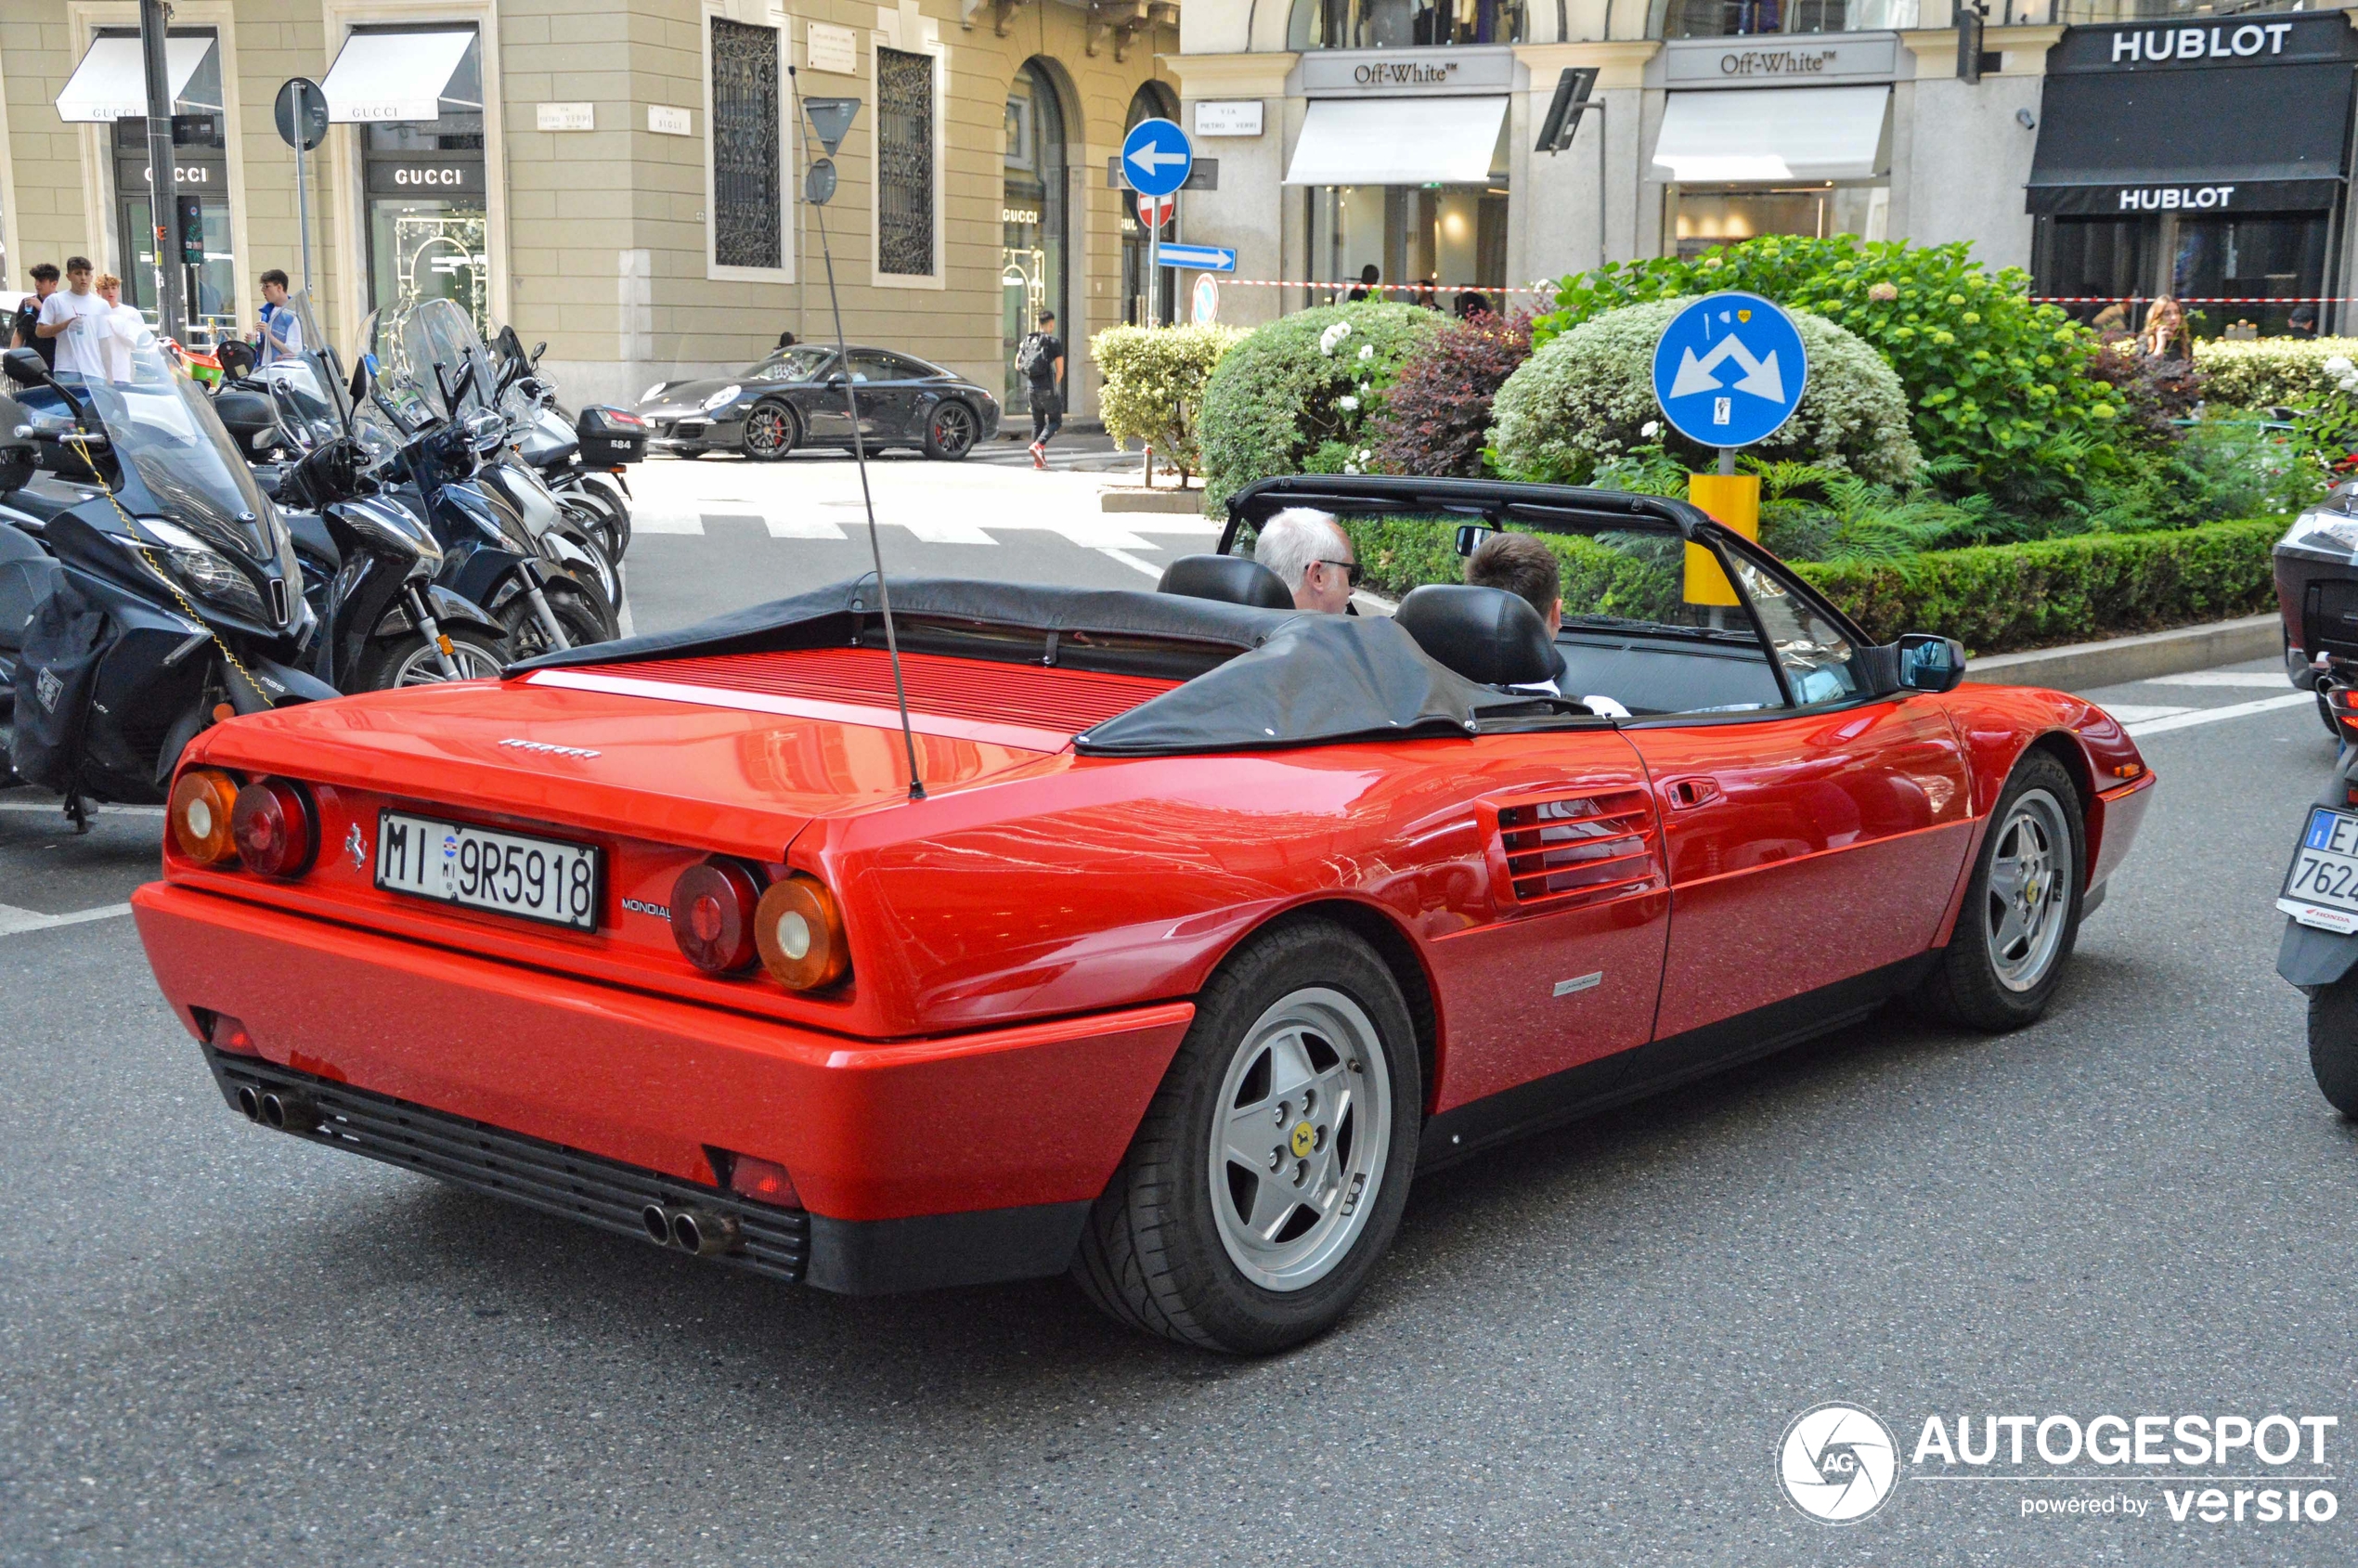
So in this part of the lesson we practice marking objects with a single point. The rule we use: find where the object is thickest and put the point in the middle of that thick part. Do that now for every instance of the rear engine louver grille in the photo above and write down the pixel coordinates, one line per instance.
(1559, 851)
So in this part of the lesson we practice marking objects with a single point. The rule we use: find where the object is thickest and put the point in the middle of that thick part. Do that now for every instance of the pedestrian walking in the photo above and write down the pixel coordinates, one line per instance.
(73, 321)
(28, 317)
(279, 332)
(1041, 359)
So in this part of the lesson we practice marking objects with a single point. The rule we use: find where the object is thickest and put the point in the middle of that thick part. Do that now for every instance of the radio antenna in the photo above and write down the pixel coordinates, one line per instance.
(829, 123)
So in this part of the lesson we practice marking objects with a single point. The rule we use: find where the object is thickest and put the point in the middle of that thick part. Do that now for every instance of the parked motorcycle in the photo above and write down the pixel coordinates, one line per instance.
(581, 459)
(2319, 898)
(164, 592)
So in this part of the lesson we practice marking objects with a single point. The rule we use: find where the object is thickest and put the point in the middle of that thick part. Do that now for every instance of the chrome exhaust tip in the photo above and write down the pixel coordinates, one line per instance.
(289, 1112)
(658, 1223)
(249, 1103)
(707, 1236)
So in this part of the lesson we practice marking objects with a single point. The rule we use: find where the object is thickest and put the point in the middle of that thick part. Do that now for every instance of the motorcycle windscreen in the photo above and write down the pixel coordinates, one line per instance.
(174, 458)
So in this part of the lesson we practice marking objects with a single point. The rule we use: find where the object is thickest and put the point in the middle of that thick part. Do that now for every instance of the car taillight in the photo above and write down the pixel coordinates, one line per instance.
(203, 800)
(276, 832)
(800, 934)
(712, 915)
(764, 1181)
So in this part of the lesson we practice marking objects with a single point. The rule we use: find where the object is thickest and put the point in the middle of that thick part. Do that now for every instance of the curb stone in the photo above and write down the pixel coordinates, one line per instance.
(2113, 661)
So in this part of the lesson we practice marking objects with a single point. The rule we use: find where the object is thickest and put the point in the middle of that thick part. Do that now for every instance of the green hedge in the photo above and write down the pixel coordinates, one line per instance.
(1994, 599)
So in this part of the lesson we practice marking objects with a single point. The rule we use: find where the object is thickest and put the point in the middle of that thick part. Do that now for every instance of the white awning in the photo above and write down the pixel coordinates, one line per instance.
(111, 82)
(1397, 141)
(1774, 134)
(381, 77)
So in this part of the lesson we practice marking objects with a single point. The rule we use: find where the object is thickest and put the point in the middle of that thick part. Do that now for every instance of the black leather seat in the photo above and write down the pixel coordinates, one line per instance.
(1485, 634)
(1232, 580)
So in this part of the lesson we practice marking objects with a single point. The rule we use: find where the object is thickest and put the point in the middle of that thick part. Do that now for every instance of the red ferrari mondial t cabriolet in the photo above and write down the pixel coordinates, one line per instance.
(1214, 923)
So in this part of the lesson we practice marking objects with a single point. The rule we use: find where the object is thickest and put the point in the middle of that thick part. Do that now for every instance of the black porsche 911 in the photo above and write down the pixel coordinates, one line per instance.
(795, 397)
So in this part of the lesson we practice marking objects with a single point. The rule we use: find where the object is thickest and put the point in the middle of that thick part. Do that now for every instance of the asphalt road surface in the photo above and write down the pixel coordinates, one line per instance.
(220, 1345)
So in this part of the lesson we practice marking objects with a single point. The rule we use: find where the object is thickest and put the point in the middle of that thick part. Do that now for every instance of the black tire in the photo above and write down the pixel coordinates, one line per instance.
(407, 660)
(771, 431)
(582, 616)
(1152, 1254)
(596, 518)
(2333, 1042)
(951, 431)
(1971, 986)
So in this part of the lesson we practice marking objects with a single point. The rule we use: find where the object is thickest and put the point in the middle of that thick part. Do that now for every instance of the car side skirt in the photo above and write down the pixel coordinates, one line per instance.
(1664, 1064)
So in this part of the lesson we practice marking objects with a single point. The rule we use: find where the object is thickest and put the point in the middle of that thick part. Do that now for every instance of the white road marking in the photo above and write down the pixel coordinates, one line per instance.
(15, 921)
(2261, 679)
(947, 533)
(1129, 560)
(2143, 713)
(2213, 715)
(1100, 536)
(801, 528)
(665, 520)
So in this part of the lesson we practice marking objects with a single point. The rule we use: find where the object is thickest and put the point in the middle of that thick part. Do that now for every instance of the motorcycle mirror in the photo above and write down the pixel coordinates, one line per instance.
(25, 366)
(538, 349)
(360, 382)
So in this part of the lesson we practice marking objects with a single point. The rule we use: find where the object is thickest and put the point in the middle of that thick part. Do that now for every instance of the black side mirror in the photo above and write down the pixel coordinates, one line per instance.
(538, 349)
(360, 383)
(237, 357)
(1470, 538)
(1929, 663)
(25, 366)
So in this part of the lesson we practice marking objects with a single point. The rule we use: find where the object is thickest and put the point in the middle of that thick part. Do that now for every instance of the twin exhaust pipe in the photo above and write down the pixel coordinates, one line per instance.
(288, 1112)
(692, 1230)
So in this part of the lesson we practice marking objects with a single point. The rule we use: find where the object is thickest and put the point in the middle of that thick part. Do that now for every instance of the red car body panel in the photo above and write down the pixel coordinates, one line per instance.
(1025, 940)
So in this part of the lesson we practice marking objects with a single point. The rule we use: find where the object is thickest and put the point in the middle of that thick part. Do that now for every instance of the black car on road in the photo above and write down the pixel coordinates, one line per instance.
(795, 397)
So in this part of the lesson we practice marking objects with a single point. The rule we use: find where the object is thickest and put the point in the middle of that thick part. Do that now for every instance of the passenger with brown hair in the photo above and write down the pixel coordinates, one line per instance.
(1523, 566)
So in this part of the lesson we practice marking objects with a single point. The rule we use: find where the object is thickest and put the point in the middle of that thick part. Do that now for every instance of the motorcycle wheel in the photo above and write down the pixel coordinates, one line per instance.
(580, 614)
(2333, 1042)
(596, 521)
(409, 660)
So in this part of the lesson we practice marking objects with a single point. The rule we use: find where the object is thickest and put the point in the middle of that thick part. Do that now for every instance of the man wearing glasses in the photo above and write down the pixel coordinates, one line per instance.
(1312, 556)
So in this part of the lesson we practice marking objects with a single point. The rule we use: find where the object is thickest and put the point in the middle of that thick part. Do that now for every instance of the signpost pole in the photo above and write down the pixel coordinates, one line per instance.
(302, 194)
(163, 205)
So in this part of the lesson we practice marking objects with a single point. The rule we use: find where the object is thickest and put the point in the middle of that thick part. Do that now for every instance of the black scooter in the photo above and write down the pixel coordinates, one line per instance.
(2320, 899)
(166, 594)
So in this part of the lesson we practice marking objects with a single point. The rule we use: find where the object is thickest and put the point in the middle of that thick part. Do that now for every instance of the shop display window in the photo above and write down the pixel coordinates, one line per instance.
(1701, 220)
(1731, 19)
(1405, 24)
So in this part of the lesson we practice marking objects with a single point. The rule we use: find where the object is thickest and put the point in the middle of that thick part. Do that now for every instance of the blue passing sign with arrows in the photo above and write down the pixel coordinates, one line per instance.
(1156, 157)
(1730, 370)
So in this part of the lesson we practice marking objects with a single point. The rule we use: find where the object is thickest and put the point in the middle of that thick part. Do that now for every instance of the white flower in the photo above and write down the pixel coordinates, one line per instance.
(1332, 336)
(1367, 351)
(2348, 384)
(2339, 365)
(1348, 403)
(1651, 429)
(1366, 452)
(1351, 468)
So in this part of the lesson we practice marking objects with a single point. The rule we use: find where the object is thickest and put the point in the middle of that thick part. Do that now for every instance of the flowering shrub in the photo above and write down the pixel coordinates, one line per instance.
(1154, 381)
(1437, 416)
(1995, 387)
(1586, 400)
(1298, 396)
(2269, 373)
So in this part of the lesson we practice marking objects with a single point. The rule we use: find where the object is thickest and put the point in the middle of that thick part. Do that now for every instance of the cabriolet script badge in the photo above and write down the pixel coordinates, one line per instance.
(545, 749)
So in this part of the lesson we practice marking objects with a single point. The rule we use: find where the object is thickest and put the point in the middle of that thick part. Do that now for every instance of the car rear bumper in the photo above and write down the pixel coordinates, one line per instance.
(952, 1161)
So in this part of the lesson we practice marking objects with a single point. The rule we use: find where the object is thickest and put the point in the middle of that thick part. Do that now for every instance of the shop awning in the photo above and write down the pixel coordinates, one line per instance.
(2229, 140)
(111, 82)
(1766, 133)
(1397, 141)
(381, 77)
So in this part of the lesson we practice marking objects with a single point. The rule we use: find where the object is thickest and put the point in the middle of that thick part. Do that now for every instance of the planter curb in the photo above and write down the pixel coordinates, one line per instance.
(2113, 661)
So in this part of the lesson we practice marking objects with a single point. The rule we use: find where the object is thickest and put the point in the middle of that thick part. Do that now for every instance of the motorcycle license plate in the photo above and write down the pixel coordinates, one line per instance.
(506, 873)
(2322, 888)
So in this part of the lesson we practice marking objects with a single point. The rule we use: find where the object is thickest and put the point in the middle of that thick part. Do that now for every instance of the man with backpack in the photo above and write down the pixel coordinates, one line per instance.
(1039, 358)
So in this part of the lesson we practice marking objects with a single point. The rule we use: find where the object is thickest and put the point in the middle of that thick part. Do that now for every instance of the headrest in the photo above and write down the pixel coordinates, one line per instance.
(1232, 580)
(1485, 634)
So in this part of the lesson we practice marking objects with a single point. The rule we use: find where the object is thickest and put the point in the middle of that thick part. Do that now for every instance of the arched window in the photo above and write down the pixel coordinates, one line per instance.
(1035, 235)
(1404, 24)
(1152, 101)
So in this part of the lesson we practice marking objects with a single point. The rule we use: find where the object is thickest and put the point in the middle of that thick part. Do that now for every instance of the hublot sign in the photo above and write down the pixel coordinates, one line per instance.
(2291, 38)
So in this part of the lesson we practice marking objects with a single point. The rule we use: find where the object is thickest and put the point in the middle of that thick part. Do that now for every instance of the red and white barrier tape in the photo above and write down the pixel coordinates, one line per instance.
(1393, 292)
(2188, 299)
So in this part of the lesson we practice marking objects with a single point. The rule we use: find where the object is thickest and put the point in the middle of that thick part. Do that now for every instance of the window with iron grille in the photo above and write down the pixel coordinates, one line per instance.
(747, 227)
(904, 163)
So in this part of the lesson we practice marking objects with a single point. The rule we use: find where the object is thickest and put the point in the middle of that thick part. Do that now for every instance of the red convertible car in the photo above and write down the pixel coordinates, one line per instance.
(1213, 923)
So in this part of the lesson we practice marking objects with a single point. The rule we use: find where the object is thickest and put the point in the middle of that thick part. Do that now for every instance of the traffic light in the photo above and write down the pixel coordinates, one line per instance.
(191, 229)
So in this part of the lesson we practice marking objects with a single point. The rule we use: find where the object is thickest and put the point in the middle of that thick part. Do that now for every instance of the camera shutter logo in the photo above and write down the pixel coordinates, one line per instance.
(1838, 1463)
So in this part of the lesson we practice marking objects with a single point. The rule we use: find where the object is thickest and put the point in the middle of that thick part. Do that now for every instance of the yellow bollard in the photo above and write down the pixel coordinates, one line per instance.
(1732, 499)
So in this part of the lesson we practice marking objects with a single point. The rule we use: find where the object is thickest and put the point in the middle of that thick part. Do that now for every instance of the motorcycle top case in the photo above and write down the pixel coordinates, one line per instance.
(68, 639)
(606, 440)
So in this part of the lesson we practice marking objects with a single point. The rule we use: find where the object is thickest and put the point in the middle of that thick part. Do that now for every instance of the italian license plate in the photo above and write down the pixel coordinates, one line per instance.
(507, 873)
(2322, 888)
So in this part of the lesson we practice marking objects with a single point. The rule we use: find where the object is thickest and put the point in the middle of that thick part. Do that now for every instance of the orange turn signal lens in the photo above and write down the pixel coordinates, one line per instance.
(204, 800)
(799, 931)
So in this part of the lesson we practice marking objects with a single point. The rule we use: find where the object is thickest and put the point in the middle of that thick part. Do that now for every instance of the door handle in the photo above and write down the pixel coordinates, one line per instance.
(1687, 793)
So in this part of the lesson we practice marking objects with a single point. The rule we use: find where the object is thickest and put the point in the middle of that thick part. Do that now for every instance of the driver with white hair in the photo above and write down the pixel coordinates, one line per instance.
(1310, 556)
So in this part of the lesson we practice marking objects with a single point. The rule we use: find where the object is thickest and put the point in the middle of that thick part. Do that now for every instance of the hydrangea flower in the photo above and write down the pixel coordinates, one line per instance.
(2339, 365)
(1332, 336)
(1348, 403)
(1886, 292)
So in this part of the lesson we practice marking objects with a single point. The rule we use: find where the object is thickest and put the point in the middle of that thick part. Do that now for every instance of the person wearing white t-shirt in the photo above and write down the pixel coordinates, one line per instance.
(77, 318)
(123, 327)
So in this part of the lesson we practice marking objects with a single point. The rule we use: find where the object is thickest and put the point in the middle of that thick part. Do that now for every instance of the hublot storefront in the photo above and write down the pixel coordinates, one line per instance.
(2205, 160)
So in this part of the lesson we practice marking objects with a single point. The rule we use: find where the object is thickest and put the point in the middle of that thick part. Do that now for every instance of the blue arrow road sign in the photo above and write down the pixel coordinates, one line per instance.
(1156, 156)
(1730, 370)
(1199, 258)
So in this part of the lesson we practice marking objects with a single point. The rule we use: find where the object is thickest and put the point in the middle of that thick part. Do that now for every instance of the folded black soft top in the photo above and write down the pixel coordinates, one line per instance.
(1252, 679)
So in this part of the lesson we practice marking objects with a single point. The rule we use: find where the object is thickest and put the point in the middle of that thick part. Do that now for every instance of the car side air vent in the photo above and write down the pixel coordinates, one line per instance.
(1559, 851)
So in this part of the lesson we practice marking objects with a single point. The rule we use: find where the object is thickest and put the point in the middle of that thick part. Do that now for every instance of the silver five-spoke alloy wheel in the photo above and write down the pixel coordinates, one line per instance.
(2029, 887)
(1299, 1145)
